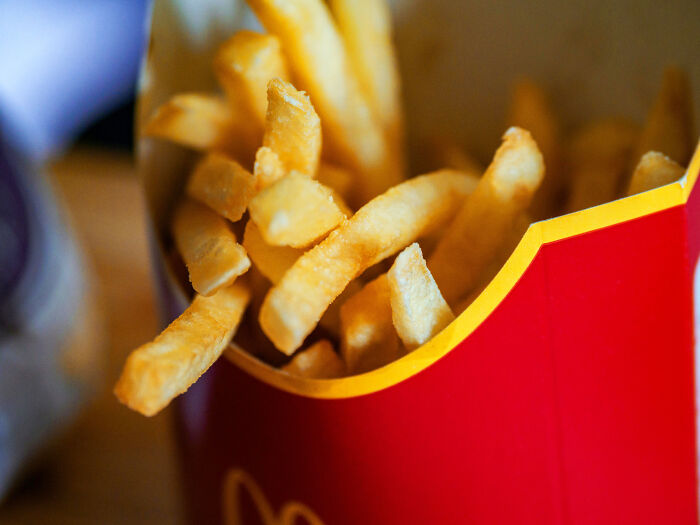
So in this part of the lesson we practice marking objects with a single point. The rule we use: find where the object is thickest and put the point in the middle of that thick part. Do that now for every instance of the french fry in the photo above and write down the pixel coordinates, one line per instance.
(530, 109)
(295, 211)
(271, 261)
(444, 152)
(268, 167)
(366, 29)
(342, 205)
(599, 155)
(222, 184)
(368, 336)
(319, 361)
(249, 337)
(330, 320)
(244, 65)
(197, 121)
(318, 60)
(158, 371)
(653, 170)
(213, 257)
(466, 302)
(417, 307)
(340, 179)
(292, 128)
(474, 236)
(669, 125)
(509, 243)
(379, 229)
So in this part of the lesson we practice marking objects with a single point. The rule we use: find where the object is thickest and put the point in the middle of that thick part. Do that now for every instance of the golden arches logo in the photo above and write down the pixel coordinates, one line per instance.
(237, 480)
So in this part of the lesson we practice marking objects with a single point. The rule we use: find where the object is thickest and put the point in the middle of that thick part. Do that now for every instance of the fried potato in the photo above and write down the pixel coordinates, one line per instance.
(330, 320)
(444, 152)
(222, 184)
(158, 371)
(340, 179)
(653, 170)
(417, 307)
(319, 361)
(379, 229)
(244, 65)
(342, 205)
(366, 29)
(506, 248)
(368, 337)
(197, 121)
(530, 110)
(292, 128)
(268, 167)
(669, 125)
(465, 303)
(249, 336)
(213, 257)
(319, 62)
(599, 155)
(474, 236)
(295, 211)
(271, 261)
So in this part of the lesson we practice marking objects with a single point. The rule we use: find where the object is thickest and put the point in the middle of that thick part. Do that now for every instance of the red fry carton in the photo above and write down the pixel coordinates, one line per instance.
(563, 395)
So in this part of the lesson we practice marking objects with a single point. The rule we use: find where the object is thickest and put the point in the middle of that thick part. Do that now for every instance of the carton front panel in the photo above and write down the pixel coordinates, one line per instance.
(621, 313)
(471, 439)
(572, 403)
(693, 214)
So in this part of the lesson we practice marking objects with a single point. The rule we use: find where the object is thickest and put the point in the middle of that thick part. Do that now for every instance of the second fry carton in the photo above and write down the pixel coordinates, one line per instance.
(563, 395)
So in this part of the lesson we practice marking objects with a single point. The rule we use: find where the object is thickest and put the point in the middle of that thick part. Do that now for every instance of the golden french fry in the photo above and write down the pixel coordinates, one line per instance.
(319, 361)
(417, 307)
(530, 109)
(249, 337)
(158, 371)
(195, 120)
(368, 336)
(444, 152)
(268, 167)
(366, 29)
(318, 59)
(379, 229)
(295, 211)
(653, 170)
(513, 237)
(292, 128)
(509, 243)
(271, 261)
(599, 155)
(213, 257)
(473, 237)
(340, 179)
(222, 184)
(463, 304)
(669, 125)
(244, 65)
(330, 320)
(342, 205)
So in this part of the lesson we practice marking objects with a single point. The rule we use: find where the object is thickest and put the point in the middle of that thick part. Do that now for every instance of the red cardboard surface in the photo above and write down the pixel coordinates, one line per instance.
(572, 403)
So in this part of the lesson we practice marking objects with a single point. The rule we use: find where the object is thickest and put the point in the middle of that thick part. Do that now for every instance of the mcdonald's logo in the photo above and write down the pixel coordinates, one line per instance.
(237, 480)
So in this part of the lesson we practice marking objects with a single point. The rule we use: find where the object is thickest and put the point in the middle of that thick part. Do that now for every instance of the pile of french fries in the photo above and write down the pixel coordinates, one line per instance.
(315, 183)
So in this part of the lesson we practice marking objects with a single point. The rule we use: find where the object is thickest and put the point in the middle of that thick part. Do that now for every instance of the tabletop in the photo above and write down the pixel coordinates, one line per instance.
(111, 466)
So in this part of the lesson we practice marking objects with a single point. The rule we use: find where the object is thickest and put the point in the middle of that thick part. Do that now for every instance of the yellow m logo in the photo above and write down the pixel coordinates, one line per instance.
(238, 480)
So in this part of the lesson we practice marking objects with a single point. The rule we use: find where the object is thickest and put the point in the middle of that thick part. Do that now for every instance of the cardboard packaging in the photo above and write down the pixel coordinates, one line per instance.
(563, 395)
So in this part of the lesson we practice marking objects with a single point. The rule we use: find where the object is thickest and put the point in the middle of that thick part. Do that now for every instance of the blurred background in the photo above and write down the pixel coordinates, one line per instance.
(74, 267)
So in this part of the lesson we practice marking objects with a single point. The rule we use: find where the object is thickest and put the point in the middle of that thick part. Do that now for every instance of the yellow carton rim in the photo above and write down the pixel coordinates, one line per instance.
(537, 235)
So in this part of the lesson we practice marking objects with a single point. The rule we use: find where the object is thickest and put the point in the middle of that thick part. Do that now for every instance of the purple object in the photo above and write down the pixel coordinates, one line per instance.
(65, 62)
